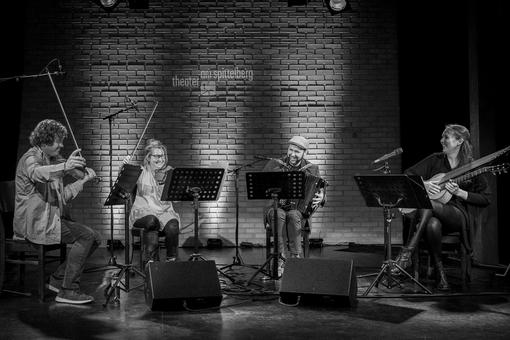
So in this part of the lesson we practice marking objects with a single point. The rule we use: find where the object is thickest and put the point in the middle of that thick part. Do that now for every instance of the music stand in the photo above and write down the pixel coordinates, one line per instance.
(388, 192)
(194, 184)
(120, 194)
(274, 185)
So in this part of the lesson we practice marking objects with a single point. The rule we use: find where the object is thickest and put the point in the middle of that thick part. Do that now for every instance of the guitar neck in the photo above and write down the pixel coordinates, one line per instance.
(468, 168)
(469, 175)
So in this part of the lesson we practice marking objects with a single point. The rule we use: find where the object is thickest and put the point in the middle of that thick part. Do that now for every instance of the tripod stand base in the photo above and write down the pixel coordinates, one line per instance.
(237, 261)
(272, 274)
(386, 270)
(117, 285)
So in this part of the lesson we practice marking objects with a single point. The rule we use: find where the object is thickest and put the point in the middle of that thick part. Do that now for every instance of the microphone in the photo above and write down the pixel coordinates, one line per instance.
(392, 154)
(60, 72)
(134, 104)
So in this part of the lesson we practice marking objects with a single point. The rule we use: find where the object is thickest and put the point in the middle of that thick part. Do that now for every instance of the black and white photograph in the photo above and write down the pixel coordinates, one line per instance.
(250, 169)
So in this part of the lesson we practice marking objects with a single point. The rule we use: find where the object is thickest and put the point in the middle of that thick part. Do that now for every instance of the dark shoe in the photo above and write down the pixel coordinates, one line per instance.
(73, 296)
(443, 282)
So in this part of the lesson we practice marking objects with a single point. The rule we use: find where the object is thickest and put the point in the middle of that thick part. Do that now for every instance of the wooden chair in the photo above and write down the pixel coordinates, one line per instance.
(453, 249)
(22, 252)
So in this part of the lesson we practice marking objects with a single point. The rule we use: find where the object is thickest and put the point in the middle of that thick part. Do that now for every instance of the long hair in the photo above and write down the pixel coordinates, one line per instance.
(46, 131)
(466, 149)
(151, 145)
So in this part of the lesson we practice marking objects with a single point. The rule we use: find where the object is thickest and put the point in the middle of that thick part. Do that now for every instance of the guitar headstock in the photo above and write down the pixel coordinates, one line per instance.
(498, 169)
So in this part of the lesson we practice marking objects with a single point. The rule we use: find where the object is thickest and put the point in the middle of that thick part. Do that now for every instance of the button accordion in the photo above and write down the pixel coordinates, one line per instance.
(313, 184)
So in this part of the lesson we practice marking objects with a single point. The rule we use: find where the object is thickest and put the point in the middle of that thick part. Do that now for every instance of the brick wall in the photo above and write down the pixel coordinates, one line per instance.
(234, 79)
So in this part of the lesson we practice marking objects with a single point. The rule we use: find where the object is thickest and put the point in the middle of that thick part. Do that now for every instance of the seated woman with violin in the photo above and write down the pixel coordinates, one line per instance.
(460, 213)
(148, 211)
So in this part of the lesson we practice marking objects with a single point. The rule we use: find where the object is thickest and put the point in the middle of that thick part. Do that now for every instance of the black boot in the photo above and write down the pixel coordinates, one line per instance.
(403, 260)
(150, 247)
(443, 282)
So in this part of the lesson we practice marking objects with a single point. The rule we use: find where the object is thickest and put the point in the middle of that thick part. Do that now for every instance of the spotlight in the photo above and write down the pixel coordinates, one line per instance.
(336, 6)
(107, 5)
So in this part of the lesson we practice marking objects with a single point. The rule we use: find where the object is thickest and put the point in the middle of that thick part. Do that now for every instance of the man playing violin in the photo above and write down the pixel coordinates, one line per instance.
(40, 202)
(290, 221)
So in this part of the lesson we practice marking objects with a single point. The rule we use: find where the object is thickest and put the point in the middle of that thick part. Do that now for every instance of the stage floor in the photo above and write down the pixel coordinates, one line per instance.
(481, 310)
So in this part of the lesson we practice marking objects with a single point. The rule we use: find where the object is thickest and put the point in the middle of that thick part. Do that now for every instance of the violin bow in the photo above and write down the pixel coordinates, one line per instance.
(144, 129)
(62, 108)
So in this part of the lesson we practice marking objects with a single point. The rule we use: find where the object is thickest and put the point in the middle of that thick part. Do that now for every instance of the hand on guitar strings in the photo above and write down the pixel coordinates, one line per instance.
(452, 187)
(432, 188)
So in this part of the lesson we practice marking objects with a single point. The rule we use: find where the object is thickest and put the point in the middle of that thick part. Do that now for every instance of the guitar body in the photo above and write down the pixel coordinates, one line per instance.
(443, 196)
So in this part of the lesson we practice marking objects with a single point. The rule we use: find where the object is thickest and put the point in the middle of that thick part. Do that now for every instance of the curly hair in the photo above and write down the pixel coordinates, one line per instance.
(46, 131)
(466, 149)
(151, 145)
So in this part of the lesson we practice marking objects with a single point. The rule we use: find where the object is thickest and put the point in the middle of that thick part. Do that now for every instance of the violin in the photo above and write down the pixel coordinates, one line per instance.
(160, 174)
(76, 173)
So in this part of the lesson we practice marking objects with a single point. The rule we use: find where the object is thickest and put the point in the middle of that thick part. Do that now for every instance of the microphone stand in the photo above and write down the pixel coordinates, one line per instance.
(238, 261)
(112, 261)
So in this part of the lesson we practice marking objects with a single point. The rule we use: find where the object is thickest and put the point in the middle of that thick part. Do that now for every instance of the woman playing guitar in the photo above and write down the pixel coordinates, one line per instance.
(459, 213)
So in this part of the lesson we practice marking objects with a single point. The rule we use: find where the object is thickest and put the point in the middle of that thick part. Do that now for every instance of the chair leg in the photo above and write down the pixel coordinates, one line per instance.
(41, 257)
(306, 243)
(142, 247)
(268, 244)
(429, 266)
(21, 270)
(465, 266)
(416, 263)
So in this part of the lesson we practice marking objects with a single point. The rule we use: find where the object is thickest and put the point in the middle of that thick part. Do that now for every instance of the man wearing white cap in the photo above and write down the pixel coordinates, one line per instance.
(290, 221)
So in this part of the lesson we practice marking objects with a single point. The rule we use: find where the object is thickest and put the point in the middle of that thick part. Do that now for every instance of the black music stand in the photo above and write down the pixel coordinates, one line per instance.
(194, 184)
(388, 192)
(274, 185)
(120, 194)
